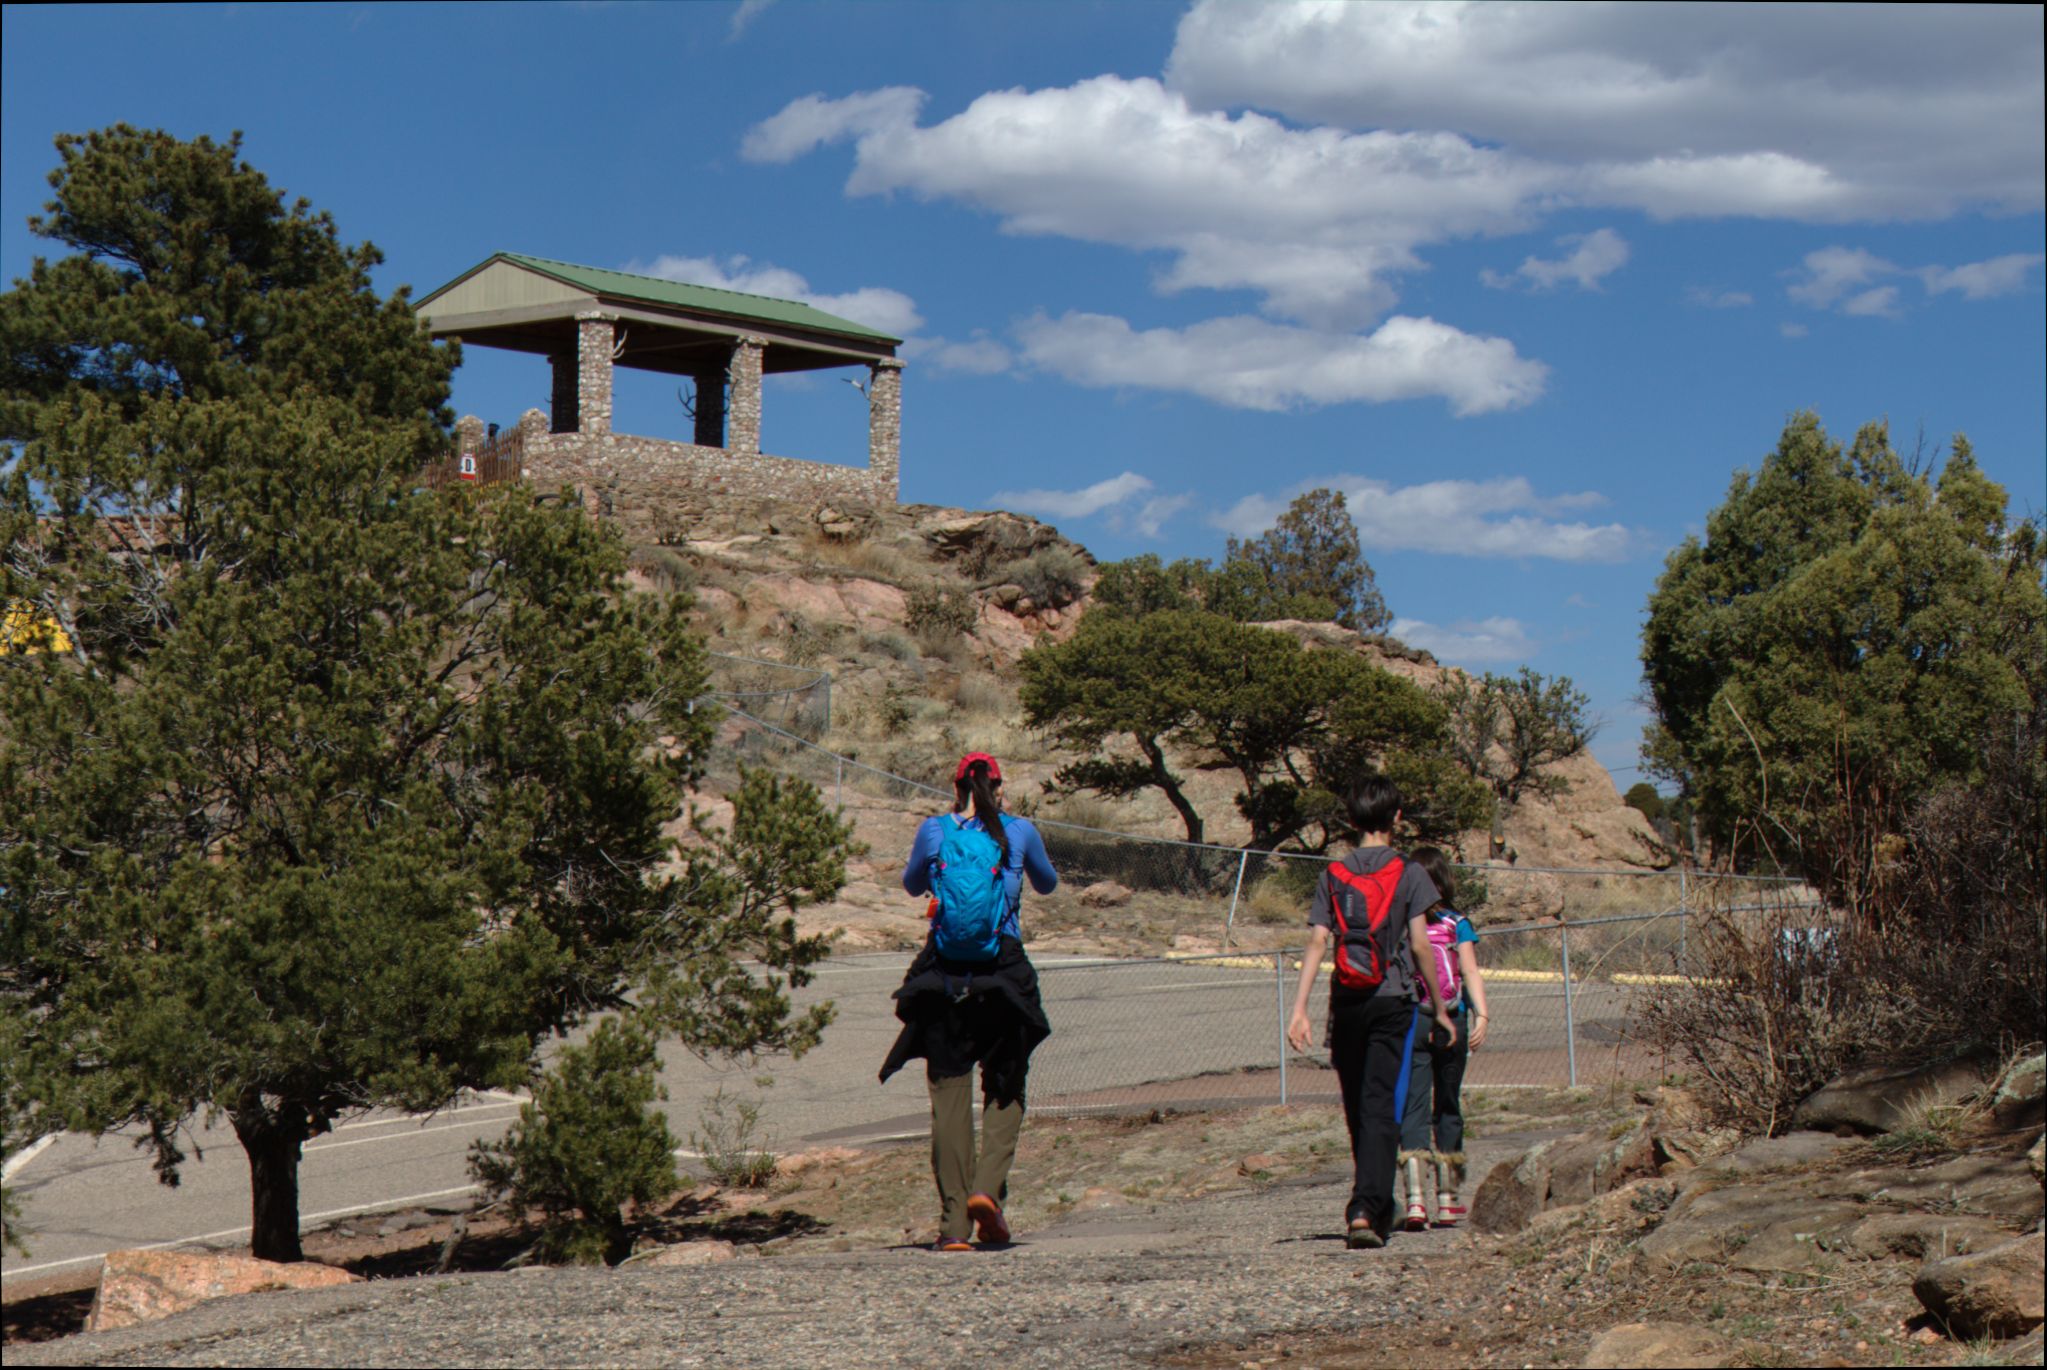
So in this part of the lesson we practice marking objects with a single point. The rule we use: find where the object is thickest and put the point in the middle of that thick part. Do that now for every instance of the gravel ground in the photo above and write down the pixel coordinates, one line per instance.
(1104, 1288)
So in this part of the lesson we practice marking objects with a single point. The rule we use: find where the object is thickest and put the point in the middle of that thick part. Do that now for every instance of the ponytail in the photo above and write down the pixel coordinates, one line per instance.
(977, 785)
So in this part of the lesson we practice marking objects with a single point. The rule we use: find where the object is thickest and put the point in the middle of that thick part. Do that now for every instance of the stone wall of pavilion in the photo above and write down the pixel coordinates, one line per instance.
(647, 483)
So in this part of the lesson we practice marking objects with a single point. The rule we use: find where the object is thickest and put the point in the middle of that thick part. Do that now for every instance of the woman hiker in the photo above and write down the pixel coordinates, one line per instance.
(971, 996)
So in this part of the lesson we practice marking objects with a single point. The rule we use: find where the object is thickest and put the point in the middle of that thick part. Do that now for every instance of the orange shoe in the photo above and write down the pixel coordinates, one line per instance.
(988, 1223)
(952, 1244)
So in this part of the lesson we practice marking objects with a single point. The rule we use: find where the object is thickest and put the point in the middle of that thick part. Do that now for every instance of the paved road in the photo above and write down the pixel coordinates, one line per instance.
(1119, 1026)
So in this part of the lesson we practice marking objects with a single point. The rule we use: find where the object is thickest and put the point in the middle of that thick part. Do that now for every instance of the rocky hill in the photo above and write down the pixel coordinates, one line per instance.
(920, 614)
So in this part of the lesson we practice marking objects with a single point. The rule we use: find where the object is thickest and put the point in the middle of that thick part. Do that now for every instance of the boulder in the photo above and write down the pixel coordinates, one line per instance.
(2020, 1099)
(1105, 894)
(1658, 1344)
(140, 1286)
(1767, 1228)
(1774, 1153)
(2036, 1159)
(1920, 1236)
(1509, 1198)
(1994, 1293)
(690, 1253)
(1884, 1098)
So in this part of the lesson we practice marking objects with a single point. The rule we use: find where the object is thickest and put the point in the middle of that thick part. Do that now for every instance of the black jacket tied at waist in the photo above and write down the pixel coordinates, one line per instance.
(957, 1015)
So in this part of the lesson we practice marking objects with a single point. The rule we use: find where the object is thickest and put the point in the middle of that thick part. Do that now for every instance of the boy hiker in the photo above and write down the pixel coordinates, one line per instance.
(1372, 907)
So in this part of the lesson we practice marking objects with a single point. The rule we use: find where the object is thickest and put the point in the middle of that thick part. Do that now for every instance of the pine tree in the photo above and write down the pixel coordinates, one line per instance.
(346, 793)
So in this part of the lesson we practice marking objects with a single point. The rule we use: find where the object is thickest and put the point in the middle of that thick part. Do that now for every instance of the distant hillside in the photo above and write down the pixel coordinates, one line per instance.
(920, 614)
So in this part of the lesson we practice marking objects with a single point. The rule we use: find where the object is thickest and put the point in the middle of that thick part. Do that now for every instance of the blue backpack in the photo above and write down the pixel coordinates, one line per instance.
(971, 896)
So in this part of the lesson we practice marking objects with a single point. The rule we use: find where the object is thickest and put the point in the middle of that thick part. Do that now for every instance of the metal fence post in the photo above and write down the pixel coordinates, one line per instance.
(1230, 922)
(1279, 995)
(1570, 1021)
(839, 781)
(1684, 919)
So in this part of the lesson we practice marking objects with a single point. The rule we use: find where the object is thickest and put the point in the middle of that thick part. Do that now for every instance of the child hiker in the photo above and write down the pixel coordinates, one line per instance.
(971, 996)
(1432, 1119)
(1371, 907)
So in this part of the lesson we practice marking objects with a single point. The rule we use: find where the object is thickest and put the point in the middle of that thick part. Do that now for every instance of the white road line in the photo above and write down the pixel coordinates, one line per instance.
(237, 1231)
(26, 1154)
(387, 1137)
(420, 1117)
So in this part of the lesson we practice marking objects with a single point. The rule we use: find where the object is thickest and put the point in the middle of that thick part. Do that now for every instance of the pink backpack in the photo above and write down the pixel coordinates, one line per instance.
(1443, 942)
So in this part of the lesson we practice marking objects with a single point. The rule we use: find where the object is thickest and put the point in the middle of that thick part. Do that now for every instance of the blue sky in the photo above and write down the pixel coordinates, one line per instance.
(1528, 282)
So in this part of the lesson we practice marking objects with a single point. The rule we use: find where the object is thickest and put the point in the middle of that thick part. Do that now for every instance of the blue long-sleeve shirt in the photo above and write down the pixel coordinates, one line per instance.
(1026, 857)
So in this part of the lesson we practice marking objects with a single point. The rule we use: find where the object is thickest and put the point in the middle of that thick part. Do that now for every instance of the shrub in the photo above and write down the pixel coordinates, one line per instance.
(977, 694)
(730, 1141)
(586, 1144)
(938, 614)
(1947, 960)
(669, 570)
(1052, 576)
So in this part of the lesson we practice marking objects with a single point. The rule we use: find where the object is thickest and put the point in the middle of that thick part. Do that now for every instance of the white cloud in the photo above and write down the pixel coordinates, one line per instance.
(805, 124)
(1846, 279)
(1486, 641)
(1592, 258)
(979, 355)
(1316, 220)
(1805, 111)
(1503, 517)
(877, 307)
(1250, 363)
(1878, 303)
(1154, 513)
(1836, 273)
(748, 11)
(1123, 501)
(1719, 299)
(2004, 275)
(1082, 503)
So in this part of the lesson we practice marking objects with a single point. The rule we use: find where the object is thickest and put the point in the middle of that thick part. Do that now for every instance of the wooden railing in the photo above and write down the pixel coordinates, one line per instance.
(498, 458)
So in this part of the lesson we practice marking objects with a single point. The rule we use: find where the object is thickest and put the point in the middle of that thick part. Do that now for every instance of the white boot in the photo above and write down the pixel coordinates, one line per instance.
(1417, 1202)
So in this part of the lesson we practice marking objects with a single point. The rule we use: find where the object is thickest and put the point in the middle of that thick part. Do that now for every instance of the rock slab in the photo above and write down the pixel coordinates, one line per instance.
(1885, 1098)
(140, 1286)
(1994, 1293)
(1657, 1344)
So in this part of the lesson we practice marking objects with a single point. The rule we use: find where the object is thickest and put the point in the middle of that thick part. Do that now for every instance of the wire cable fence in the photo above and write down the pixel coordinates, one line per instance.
(1191, 1009)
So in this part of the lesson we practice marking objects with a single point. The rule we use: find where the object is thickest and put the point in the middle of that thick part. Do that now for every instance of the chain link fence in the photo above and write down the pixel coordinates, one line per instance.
(1194, 1014)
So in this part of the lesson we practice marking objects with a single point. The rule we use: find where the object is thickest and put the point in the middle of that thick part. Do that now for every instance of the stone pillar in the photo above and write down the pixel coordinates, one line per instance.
(564, 414)
(885, 426)
(745, 411)
(593, 372)
(710, 430)
(468, 434)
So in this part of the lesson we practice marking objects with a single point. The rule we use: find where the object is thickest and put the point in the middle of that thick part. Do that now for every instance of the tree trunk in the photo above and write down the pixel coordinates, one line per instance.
(1170, 784)
(272, 1136)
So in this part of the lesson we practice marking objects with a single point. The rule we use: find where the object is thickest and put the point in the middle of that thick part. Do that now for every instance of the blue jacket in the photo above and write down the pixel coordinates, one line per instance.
(1026, 857)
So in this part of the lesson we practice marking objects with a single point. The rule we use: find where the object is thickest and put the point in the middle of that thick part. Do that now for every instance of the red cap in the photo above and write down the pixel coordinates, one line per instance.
(960, 773)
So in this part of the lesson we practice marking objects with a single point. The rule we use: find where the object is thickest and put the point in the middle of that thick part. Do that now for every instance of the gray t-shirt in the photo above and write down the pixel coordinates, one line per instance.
(1412, 897)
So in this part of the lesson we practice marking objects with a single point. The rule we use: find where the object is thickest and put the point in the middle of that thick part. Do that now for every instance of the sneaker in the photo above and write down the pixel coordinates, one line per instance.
(988, 1223)
(1417, 1217)
(1362, 1236)
(952, 1244)
(1449, 1211)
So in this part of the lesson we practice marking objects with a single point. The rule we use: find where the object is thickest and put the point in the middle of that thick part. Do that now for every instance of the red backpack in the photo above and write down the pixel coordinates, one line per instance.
(1363, 907)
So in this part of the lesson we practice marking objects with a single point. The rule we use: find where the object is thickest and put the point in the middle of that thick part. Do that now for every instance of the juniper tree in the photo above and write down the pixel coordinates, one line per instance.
(1312, 553)
(1293, 723)
(1849, 638)
(347, 793)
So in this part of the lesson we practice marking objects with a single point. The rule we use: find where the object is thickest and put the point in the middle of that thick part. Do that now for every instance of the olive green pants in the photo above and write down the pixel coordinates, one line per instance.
(959, 1173)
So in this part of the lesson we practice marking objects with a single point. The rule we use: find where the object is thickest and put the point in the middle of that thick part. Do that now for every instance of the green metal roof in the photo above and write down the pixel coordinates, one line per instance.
(703, 298)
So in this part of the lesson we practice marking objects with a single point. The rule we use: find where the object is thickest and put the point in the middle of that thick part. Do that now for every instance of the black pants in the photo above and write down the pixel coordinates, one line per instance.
(1368, 1047)
(1433, 1120)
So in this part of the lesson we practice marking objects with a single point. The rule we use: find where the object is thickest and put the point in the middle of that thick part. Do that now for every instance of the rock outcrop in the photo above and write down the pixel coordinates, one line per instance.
(139, 1286)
